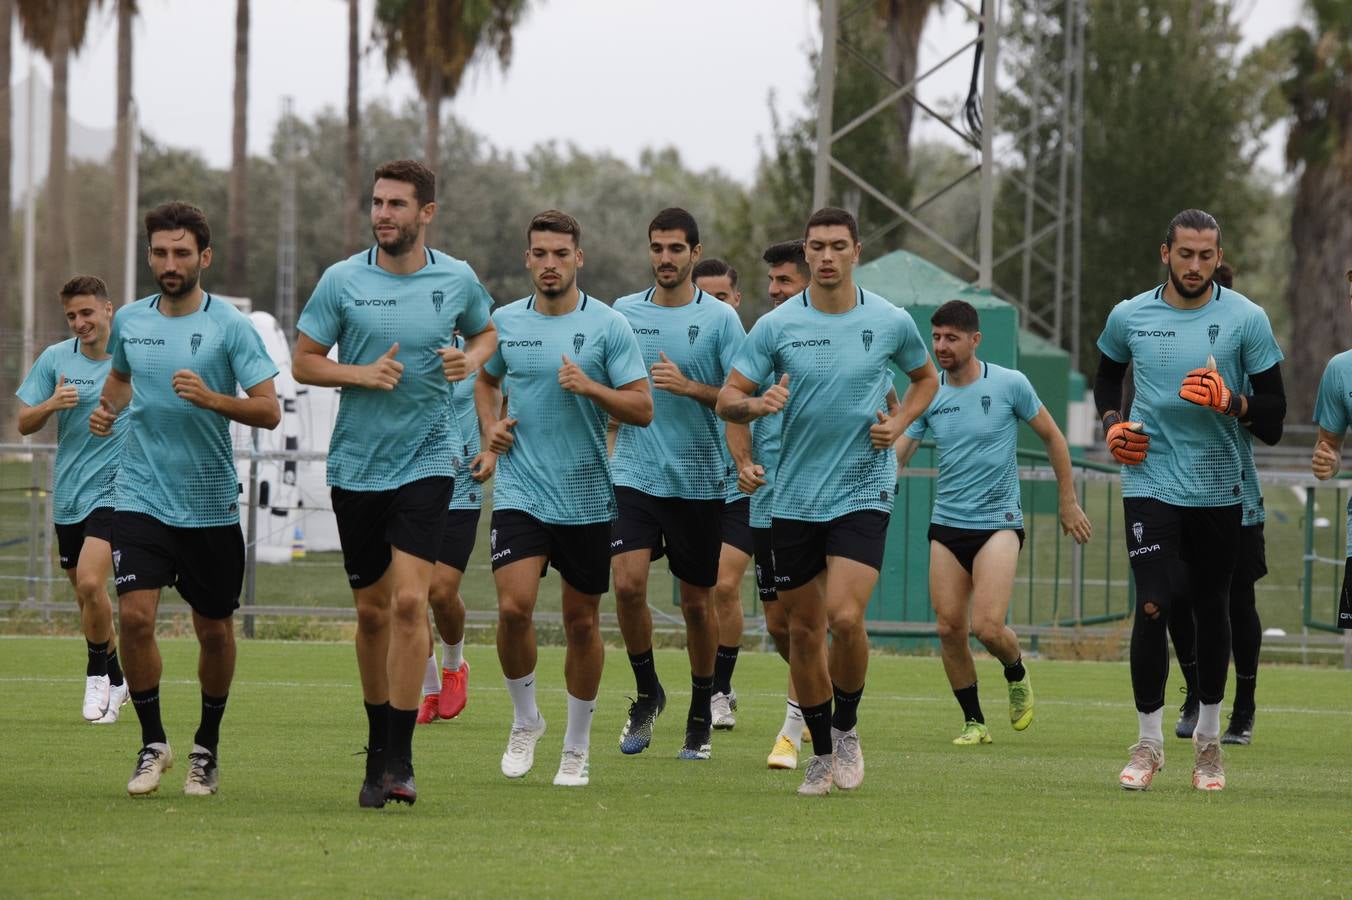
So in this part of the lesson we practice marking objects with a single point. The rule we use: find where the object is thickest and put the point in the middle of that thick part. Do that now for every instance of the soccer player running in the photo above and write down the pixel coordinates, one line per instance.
(976, 530)
(392, 310)
(65, 382)
(178, 358)
(1182, 475)
(830, 348)
(445, 689)
(1246, 630)
(670, 478)
(569, 361)
(1333, 415)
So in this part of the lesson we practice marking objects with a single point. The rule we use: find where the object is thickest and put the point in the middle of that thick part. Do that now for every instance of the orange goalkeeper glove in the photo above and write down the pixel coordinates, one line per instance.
(1128, 442)
(1206, 387)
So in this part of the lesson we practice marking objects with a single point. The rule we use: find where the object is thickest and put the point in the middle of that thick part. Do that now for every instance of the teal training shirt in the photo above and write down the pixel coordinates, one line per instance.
(469, 494)
(682, 453)
(765, 453)
(1252, 494)
(976, 428)
(177, 463)
(83, 475)
(839, 375)
(1333, 409)
(557, 469)
(1194, 457)
(385, 439)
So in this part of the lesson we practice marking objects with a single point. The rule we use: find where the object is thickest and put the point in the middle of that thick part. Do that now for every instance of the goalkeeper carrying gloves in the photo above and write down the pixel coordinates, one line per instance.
(1127, 441)
(1206, 387)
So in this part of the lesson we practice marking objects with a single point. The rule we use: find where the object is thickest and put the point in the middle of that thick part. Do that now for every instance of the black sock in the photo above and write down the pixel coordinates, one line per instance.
(701, 692)
(209, 731)
(645, 674)
(115, 677)
(818, 721)
(1244, 688)
(847, 708)
(971, 706)
(1015, 670)
(401, 732)
(377, 736)
(1189, 676)
(97, 663)
(147, 705)
(724, 662)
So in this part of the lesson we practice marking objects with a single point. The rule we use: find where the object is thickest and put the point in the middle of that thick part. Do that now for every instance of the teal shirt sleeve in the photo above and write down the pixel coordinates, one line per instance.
(1111, 342)
(119, 353)
(41, 381)
(248, 357)
(730, 342)
(476, 316)
(1330, 412)
(1260, 345)
(911, 352)
(916, 430)
(624, 359)
(1025, 400)
(756, 361)
(321, 320)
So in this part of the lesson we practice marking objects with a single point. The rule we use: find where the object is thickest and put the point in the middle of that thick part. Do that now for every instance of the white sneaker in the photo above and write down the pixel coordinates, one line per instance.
(95, 697)
(573, 769)
(848, 769)
(203, 774)
(817, 780)
(1147, 758)
(520, 755)
(152, 762)
(721, 707)
(117, 698)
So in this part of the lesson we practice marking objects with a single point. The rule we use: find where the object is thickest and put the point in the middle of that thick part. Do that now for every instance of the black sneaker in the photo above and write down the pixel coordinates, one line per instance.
(638, 730)
(1187, 717)
(697, 743)
(1241, 728)
(399, 785)
(372, 795)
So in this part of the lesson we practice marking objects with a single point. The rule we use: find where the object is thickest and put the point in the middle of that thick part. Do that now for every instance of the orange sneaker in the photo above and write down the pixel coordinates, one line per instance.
(427, 710)
(454, 691)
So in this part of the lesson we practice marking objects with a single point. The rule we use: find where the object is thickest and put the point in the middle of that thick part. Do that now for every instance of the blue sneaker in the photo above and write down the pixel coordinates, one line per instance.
(638, 730)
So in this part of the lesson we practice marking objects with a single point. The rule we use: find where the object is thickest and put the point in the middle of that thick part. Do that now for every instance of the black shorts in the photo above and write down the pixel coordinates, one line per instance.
(580, 553)
(1345, 601)
(736, 525)
(205, 564)
(966, 543)
(1178, 551)
(70, 538)
(765, 564)
(685, 531)
(457, 538)
(411, 517)
(801, 548)
(1252, 562)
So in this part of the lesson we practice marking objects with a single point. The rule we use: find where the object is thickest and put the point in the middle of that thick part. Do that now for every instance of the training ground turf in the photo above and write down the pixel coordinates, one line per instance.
(1037, 813)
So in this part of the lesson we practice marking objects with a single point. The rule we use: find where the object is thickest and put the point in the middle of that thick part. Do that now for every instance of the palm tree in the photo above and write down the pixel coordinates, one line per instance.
(1319, 147)
(237, 252)
(903, 22)
(352, 193)
(6, 150)
(440, 39)
(126, 11)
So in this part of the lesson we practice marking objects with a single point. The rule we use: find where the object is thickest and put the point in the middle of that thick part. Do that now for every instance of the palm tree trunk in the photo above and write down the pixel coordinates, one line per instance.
(434, 88)
(1321, 233)
(57, 239)
(237, 263)
(432, 135)
(352, 195)
(122, 151)
(6, 154)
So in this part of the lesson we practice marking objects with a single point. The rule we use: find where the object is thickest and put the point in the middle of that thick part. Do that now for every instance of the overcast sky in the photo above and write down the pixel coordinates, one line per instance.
(616, 75)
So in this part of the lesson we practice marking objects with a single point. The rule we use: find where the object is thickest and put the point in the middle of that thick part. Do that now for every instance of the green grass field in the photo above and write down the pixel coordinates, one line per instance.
(1037, 813)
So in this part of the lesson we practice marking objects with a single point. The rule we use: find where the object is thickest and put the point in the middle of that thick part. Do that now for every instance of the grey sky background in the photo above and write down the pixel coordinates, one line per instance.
(613, 75)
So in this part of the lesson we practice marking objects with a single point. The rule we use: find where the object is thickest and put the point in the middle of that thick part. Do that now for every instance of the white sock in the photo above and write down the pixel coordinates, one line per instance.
(452, 655)
(578, 735)
(1208, 721)
(523, 699)
(1152, 726)
(431, 677)
(793, 725)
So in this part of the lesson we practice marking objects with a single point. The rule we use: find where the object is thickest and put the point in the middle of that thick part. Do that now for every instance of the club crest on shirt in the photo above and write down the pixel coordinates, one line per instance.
(1137, 531)
(195, 343)
(986, 403)
(438, 298)
(1213, 331)
(692, 332)
(867, 337)
(578, 340)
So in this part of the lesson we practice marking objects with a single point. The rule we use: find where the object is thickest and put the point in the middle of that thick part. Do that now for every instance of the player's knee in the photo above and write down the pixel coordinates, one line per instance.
(408, 609)
(89, 589)
(780, 637)
(513, 615)
(1154, 610)
(372, 618)
(579, 627)
(136, 624)
(630, 593)
(697, 610)
(803, 633)
(215, 637)
(845, 622)
(951, 630)
(987, 631)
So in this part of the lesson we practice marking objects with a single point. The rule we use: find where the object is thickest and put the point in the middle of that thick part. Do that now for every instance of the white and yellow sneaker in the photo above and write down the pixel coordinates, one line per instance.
(784, 755)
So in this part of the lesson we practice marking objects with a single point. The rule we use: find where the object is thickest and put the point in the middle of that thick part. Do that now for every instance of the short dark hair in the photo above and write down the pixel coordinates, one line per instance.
(1195, 219)
(557, 221)
(1224, 276)
(831, 215)
(673, 218)
(410, 171)
(83, 285)
(957, 314)
(714, 268)
(179, 216)
(787, 252)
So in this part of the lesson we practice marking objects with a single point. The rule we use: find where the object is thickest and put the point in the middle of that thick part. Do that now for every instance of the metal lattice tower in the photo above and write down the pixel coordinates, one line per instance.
(286, 225)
